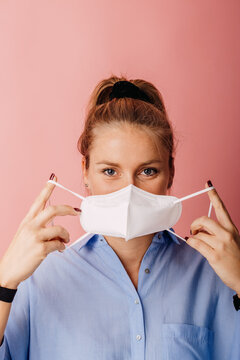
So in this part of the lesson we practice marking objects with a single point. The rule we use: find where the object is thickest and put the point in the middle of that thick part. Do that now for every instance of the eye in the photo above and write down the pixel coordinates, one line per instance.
(155, 171)
(110, 171)
(106, 170)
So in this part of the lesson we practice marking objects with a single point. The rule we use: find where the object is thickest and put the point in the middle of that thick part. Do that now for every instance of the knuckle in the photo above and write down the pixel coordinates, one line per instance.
(51, 209)
(35, 235)
(62, 230)
(58, 228)
(61, 245)
(204, 218)
(43, 250)
(226, 237)
(66, 232)
(195, 242)
(222, 246)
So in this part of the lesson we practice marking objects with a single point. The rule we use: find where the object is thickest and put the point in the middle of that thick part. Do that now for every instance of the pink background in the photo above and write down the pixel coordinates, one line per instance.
(54, 52)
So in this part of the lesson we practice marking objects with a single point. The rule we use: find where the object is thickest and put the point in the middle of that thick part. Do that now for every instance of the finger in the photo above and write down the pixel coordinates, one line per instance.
(206, 238)
(207, 224)
(220, 209)
(54, 232)
(41, 200)
(54, 245)
(50, 212)
(204, 249)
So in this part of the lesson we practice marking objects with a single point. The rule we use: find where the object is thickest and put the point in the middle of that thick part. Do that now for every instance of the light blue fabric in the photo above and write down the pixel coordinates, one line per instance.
(82, 305)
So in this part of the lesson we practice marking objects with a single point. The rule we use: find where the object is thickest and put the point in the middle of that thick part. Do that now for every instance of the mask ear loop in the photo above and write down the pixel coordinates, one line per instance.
(188, 197)
(210, 209)
(63, 187)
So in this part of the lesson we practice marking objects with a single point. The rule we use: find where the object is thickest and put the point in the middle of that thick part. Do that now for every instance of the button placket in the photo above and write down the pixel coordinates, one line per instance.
(137, 328)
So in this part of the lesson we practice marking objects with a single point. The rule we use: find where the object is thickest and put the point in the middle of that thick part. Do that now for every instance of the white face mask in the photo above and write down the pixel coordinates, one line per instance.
(130, 212)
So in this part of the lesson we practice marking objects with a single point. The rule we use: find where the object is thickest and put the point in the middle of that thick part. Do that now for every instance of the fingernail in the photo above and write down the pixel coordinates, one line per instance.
(186, 237)
(190, 231)
(209, 183)
(77, 209)
(52, 176)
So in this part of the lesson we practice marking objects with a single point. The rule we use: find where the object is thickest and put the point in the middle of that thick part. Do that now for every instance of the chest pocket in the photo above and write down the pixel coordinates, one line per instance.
(185, 341)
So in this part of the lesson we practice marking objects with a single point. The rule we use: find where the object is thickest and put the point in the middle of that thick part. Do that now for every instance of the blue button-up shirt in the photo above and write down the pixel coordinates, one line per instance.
(82, 305)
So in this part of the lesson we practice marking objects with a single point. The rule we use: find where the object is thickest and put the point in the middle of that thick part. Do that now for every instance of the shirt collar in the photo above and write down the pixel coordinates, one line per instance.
(172, 237)
(164, 236)
(99, 240)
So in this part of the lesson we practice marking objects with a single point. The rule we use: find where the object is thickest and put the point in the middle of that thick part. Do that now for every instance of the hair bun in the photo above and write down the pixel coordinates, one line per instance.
(127, 89)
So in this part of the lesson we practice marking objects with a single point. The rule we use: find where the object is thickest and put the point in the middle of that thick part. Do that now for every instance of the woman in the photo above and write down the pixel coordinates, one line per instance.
(151, 297)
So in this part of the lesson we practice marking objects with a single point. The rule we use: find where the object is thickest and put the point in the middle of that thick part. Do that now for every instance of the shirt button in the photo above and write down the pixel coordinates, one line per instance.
(159, 236)
(147, 270)
(138, 337)
(136, 301)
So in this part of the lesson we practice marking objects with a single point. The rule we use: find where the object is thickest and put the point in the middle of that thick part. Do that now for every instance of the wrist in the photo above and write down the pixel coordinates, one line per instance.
(8, 285)
(5, 282)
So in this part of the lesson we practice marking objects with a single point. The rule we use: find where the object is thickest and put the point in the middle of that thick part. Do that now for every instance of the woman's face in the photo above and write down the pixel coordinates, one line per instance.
(117, 159)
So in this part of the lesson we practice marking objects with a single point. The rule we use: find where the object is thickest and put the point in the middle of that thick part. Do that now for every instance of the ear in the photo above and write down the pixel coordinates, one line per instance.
(171, 176)
(84, 171)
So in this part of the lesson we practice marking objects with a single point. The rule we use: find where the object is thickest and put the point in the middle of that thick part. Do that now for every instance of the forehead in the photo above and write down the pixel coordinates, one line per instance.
(125, 143)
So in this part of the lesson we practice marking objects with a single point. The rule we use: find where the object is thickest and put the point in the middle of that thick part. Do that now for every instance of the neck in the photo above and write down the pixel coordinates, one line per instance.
(132, 251)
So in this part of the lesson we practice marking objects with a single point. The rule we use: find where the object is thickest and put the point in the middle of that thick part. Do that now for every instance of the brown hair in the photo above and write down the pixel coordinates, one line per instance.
(152, 117)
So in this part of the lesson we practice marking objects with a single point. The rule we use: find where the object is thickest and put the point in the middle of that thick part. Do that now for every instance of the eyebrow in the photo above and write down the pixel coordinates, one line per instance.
(105, 162)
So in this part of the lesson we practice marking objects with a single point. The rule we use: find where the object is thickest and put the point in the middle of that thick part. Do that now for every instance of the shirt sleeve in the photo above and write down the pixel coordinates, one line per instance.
(235, 348)
(15, 343)
(226, 323)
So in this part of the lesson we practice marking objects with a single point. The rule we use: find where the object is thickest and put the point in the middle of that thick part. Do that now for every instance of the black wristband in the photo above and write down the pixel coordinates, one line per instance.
(6, 294)
(236, 302)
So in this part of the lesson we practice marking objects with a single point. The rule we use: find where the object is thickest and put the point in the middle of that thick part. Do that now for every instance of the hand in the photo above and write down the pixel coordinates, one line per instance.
(218, 242)
(33, 240)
